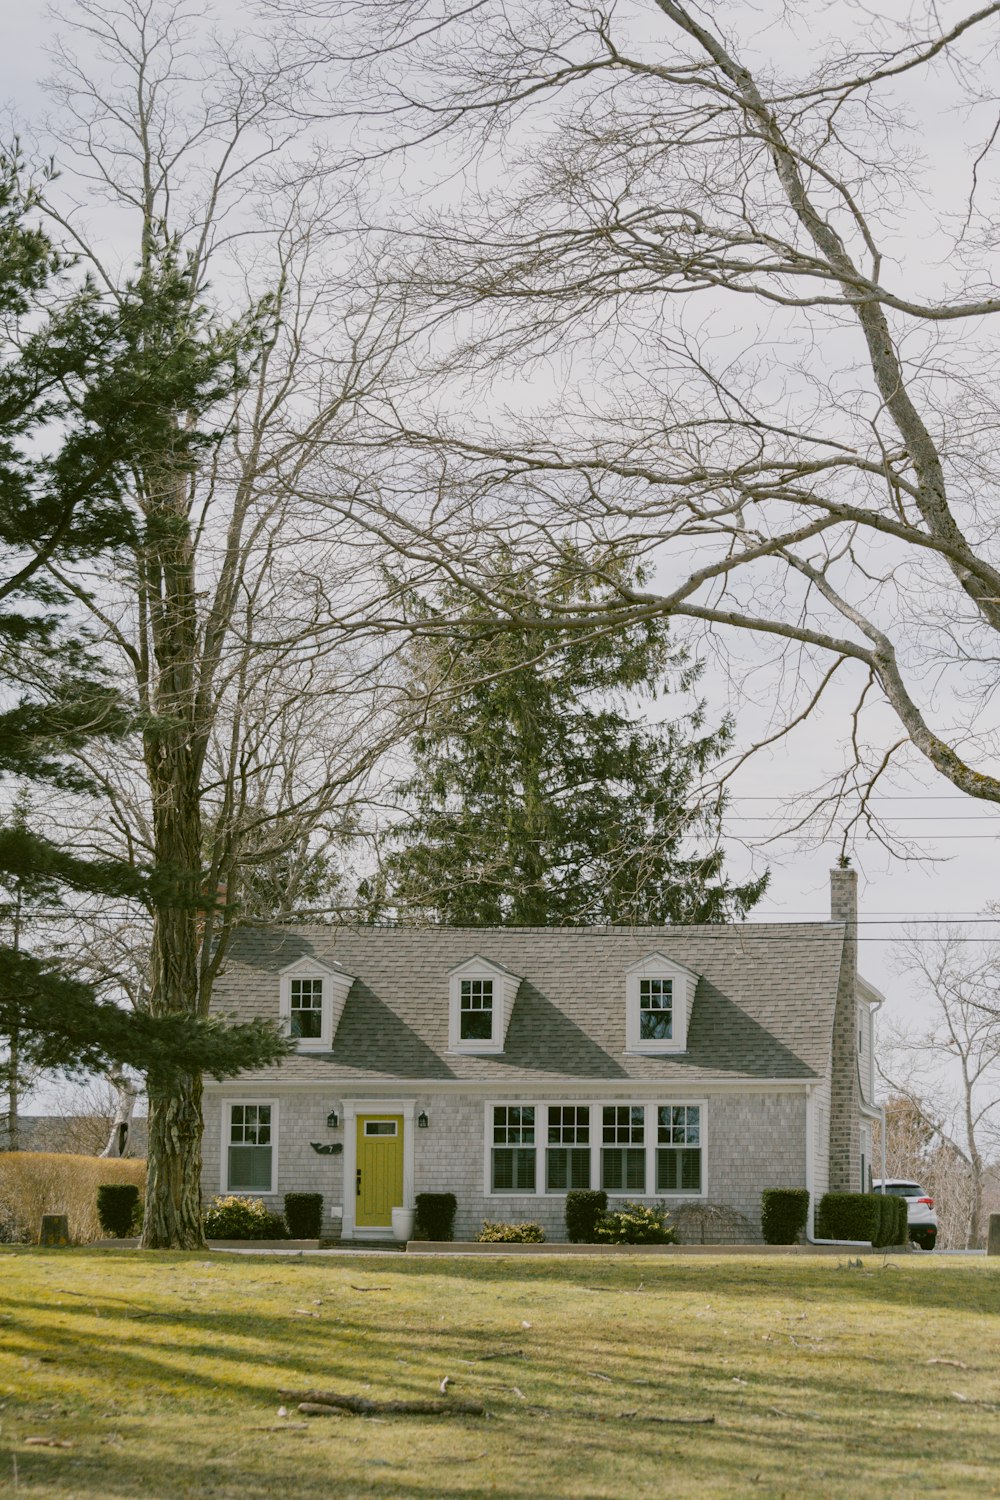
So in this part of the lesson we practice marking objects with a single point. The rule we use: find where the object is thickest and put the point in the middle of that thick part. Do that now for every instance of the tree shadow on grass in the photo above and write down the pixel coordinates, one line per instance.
(220, 1370)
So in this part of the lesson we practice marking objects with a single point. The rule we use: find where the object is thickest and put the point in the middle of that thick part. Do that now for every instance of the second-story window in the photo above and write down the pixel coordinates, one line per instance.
(656, 1010)
(476, 1010)
(306, 1007)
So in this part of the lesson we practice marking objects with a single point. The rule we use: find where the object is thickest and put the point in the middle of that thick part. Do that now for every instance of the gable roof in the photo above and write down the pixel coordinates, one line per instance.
(763, 1007)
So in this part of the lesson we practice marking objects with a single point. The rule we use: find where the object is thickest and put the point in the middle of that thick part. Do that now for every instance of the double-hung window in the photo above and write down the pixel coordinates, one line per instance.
(567, 1154)
(306, 1008)
(475, 1010)
(513, 1152)
(656, 1010)
(250, 1147)
(678, 1148)
(623, 1149)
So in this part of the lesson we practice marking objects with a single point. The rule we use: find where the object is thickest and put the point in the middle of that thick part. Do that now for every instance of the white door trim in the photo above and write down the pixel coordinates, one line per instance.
(352, 1108)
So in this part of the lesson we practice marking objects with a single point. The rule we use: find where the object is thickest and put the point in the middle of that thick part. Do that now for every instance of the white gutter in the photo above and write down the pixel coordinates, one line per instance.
(877, 1004)
(810, 1163)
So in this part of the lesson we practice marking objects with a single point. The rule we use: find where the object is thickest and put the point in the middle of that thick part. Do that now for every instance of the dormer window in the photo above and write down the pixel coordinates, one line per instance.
(306, 1008)
(658, 996)
(475, 1020)
(312, 1000)
(481, 1000)
(656, 1010)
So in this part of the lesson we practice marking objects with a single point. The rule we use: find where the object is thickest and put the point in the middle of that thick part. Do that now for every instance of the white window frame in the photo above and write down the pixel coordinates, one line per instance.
(505, 988)
(677, 1193)
(228, 1105)
(650, 1144)
(336, 986)
(683, 984)
(534, 1147)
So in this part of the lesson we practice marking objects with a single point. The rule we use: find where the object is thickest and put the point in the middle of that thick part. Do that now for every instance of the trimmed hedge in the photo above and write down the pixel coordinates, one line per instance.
(436, 1215)
(635, 1224)
(849, 1216)
(784, 1213)
(879, 1217)
(895, 1225)
(304, 1215)
(584, 1210)
(493, 1233)
(117, 1203)
(235, 1218)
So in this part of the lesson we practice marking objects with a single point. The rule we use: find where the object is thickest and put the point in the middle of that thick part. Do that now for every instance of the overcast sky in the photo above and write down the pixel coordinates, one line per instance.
(957, 836)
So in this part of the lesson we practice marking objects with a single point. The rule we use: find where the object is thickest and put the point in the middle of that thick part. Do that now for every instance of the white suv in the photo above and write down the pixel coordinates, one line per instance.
(919, 1209)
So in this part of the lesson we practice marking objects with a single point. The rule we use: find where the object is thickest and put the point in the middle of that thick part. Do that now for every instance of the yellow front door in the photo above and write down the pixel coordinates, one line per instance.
(380, 1170)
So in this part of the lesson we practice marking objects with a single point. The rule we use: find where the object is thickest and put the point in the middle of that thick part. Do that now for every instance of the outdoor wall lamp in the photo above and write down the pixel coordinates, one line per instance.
(422, 1120)
(333, 1119)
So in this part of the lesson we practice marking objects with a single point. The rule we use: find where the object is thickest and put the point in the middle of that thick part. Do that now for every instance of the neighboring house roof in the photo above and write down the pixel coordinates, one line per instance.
(763, 1008)
(86, 1135)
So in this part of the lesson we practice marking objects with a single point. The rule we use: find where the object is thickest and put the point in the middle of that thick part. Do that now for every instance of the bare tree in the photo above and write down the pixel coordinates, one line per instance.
(225, 611)
(945, 1076)
(772, 326)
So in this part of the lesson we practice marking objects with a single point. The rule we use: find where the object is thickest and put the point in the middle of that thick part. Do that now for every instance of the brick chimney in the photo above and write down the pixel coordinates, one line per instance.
(845, 1100)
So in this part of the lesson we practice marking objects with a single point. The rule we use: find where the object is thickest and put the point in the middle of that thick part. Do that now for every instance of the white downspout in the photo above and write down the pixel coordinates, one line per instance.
(810, 1162)
(871, 1074)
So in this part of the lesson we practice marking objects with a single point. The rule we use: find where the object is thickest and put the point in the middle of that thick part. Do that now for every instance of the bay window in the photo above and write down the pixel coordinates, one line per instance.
(630, 1150)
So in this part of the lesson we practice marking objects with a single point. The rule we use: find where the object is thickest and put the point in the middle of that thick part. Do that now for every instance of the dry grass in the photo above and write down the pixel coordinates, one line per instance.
(33, 1183)
(161, 1372)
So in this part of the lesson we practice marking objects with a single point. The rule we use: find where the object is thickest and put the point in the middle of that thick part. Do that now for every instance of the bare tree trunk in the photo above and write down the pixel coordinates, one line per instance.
(976, 1204)
(121, 1125)
(174, 744)
(13, 1091)
(173, 1193)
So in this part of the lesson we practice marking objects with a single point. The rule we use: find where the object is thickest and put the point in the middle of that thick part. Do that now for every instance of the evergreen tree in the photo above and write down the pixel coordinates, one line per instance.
(537, 799)
(78, 410)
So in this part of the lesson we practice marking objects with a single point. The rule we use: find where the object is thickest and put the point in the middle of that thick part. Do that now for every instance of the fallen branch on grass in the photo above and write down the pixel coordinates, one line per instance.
(641, 1416)
(326, 1403)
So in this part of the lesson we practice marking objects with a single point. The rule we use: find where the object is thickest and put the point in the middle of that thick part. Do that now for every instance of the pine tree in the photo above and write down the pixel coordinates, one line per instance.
(537, 798)
(79, 408)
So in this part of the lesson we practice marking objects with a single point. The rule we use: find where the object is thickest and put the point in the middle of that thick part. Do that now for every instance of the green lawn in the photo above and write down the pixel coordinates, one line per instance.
(162, 1372)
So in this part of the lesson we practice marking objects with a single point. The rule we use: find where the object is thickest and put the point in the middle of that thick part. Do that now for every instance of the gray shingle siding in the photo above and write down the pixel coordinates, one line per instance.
(761, 1027)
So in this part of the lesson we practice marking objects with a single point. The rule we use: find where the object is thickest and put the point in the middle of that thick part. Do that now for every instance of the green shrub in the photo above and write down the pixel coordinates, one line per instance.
(304, 1215)
(116, 1206)
(235, 1218)
(894, 1223)
(849, 1216)
(784, 1213)
(635, 1224)
(583, 1210)
(510, 1234)
(901, 1234)
(436, 1215)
